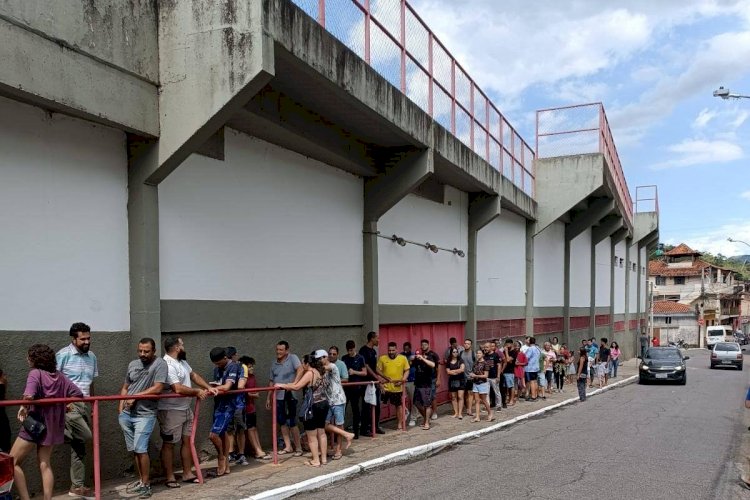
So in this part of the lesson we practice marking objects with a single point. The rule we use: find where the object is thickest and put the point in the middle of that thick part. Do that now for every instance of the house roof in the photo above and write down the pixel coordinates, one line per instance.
(661, 268)
(670, 307)
(681, 249)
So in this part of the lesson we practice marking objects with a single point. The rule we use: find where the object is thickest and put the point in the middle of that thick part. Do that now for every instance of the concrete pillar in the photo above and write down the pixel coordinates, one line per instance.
(628, 265)
(566, 291)
(612, 246)
(483, 209)
(529, 277)
(372, 302)
(592, 299)
(143, 243)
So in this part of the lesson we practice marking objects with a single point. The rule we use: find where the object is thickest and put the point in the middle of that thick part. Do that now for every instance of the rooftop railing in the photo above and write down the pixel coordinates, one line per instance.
(581, 129)
(646, 198)
(391, 37)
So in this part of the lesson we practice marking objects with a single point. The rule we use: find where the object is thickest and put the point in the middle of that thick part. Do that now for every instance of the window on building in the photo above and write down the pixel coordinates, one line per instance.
(633, 265)
(661, 280)
(679, 280)
(668, 320)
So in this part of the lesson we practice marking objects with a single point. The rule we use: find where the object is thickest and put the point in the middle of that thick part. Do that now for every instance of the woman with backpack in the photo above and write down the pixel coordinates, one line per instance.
(314, 409)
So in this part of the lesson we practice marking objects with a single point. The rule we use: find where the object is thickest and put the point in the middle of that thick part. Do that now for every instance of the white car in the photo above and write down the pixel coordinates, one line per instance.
(727, 354)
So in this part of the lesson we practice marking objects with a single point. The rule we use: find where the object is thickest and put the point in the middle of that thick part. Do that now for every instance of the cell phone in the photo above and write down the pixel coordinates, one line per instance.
(418, 353)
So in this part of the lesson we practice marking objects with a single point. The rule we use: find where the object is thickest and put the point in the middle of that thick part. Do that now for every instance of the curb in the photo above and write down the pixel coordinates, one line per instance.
(411, 453)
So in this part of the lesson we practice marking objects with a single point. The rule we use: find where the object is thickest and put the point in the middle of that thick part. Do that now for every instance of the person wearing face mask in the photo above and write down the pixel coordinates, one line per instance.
(175, 415)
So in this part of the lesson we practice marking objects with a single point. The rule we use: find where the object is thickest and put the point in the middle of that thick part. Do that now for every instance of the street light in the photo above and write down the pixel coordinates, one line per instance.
(732, 240)
(726, 94)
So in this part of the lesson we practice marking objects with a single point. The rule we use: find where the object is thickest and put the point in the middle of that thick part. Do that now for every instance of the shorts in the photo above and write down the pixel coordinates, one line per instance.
(423, 396)
(393, 398)
(468, 385)
(137, 431)
(336, 414)
(510, 380)
(251, 420)
(223, 416)
(542, 380)
(238, 421)
(319, 414)
(456, 385)
(433, 390)
(532, 376)
(175, 424)
(286, 411)
(483, 388)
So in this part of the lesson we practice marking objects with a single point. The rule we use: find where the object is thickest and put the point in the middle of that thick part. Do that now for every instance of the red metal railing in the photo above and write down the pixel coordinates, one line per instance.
(392, 38)
(580, 129)
(95, 400)
(647, 198)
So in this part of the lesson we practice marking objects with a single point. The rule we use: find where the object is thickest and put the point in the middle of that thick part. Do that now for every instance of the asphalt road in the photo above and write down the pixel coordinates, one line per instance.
(635, 442)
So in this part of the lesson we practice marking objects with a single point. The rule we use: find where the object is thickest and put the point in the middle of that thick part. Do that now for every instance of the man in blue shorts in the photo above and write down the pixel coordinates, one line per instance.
(227, 377)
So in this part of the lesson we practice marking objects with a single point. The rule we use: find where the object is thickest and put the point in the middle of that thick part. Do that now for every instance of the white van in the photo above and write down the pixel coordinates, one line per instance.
(718, 333)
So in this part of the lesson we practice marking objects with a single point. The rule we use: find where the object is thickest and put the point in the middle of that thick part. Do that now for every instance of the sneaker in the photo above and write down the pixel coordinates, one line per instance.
(145, 491)
(82, 492)
(134, 487)
(233, 457)
(241, 460)
(434, 416)
(412, 423)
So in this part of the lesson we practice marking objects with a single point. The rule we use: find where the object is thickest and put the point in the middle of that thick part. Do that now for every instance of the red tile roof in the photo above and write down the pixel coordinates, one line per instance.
(670, 307)
(681, 249)
(661, 268)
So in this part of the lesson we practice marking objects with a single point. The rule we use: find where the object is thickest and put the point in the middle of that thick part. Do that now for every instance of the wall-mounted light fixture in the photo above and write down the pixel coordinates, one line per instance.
(427, 246)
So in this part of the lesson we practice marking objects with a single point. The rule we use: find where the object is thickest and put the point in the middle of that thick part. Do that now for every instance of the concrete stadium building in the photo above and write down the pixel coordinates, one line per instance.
(236, 173)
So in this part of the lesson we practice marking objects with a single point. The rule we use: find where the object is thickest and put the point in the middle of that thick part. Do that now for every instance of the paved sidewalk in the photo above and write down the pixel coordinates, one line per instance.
(364, 454)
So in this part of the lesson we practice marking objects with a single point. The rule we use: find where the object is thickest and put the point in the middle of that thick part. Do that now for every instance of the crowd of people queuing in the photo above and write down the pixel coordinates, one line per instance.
(485, 379)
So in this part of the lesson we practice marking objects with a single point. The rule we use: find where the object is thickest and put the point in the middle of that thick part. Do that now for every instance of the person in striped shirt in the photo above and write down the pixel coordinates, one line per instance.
(77, 362)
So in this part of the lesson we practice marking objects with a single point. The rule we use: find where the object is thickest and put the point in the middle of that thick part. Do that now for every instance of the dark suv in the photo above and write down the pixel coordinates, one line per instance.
(663, 364)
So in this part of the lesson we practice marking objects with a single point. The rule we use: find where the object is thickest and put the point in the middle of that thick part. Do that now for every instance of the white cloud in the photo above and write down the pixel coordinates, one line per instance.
(700, 152)
(715, 241)
(703, 118)
(745, 195)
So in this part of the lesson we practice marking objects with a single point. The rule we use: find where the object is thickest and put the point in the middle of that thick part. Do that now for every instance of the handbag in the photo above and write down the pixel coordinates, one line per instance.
(371, 397)
(34, 426)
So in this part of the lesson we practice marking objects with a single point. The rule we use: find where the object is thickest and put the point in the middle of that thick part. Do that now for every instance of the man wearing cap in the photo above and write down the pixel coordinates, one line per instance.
(237, 426)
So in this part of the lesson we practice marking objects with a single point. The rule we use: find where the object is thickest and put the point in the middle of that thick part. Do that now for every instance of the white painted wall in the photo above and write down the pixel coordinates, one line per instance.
(63, 221)
(549, 266)
(580, 270)
(266, 224)
(634, 275)
(620, 279)
(501, 261)
(414, 275)
(603, 273)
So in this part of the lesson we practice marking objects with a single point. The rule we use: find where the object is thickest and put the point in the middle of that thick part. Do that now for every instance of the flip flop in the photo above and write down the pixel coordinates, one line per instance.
(285, 452)
(192, 480)
(172, 484)
(310, 464)
(337, 456)
(297, 454)
(264, 457)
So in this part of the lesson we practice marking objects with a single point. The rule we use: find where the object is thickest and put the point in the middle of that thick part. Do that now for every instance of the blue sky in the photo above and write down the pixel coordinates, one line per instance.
(653, 64)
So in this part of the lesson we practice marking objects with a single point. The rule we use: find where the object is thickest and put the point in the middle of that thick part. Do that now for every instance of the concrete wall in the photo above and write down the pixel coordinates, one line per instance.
(549, 266)
(414, 275)
(620, 279)
(501, 261)
(266, 224)
(580, 270)
(634, 279)
(642, 280)
(683, 327)
(121, 33)
(603, 268)
(63, 220)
